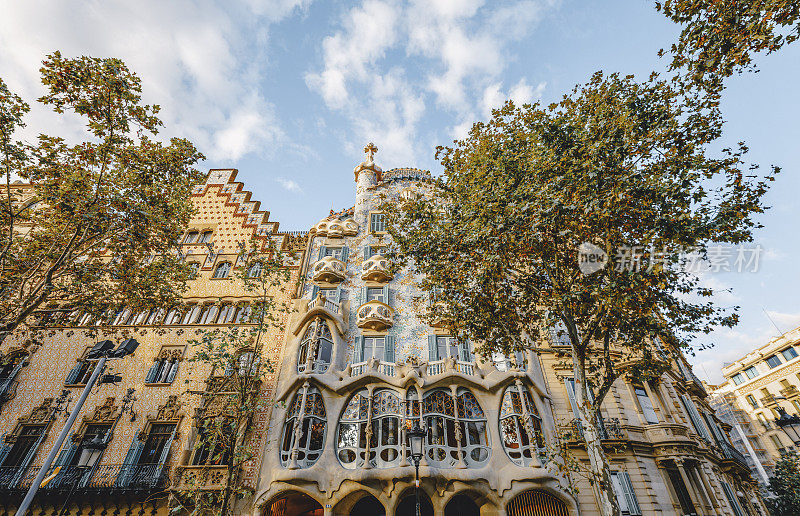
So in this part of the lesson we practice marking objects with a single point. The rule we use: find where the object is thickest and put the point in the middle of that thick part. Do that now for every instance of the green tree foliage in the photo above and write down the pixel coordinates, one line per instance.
(785, 486)
(233, 394)
(720, 38)
(99, 226)
(622, 165)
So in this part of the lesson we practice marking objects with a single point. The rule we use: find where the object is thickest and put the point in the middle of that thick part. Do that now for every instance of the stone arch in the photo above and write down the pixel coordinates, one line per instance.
(536, 502)
(407, 504)
(292, 503)
(367, 505)
(462, 504)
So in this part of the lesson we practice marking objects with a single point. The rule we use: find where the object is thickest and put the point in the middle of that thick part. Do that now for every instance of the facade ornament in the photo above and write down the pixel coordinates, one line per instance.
(107, 412)
(370, 150)
(169, 411)
(40, 414)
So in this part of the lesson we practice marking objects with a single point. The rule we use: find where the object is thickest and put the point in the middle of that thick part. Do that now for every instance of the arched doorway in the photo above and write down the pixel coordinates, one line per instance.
(536, 503)
(293, 504)
(407, 505)
(461, 505)
(368, 506)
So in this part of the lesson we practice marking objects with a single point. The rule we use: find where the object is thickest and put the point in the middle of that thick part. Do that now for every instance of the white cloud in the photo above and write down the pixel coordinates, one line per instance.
(188, 55)
(455, 52)
(289, 184)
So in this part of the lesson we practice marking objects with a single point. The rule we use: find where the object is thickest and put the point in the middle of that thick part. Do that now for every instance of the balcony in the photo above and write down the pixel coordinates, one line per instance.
(733, 454)
(610, 430)
(105, 478)
(768, 400)
(376, 268)
(328, 269)
(458, 366)
(667, 434)
(386, 368)
(375, 316)
(790, 392)
(323, 302)
(204, 478)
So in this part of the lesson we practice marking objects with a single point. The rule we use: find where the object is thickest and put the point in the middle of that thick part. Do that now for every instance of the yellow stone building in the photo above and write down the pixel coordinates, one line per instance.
(146, 423)
(765, 382)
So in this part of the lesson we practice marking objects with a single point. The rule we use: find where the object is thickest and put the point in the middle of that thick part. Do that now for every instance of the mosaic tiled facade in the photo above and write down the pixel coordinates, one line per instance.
(361, 366)
(159, 373)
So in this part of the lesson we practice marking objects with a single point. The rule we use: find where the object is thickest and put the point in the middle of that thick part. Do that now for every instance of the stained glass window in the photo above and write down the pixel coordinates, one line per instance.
(384, 437)
(516, 427)
(307, 411)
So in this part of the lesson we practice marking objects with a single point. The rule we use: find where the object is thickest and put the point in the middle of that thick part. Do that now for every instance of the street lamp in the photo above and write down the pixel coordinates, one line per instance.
(416, 441)
(790, 426)
(100, 352)
(91, 451)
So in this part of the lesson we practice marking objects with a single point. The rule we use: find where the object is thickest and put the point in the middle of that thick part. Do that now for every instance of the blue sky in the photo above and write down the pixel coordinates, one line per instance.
(289, 91)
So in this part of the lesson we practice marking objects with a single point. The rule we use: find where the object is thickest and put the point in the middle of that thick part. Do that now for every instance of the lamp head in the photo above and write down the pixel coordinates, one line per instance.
(416, 442)
(100, 349)
(790, 425)
(127, 347)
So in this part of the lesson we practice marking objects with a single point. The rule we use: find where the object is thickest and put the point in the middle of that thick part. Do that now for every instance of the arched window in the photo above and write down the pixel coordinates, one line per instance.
(439, 415)
(518, 420)
(315, 348)
(383, 449)
(191, 237)
(474, 440)
(222, 270)
(306, 412)
(254, 271)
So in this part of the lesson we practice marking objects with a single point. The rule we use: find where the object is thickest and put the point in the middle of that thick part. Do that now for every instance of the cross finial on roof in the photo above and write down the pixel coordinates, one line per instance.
(370, 149)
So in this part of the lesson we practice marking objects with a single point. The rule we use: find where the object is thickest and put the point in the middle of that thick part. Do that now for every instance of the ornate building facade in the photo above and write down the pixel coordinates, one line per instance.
(766, 383)
(146, 424)
(361, 367)
(356, 365)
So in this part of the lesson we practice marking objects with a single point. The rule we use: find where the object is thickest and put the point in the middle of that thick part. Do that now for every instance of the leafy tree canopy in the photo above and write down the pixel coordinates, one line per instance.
(99, 224)
(721, 38)
(624, 166)
(785, 486)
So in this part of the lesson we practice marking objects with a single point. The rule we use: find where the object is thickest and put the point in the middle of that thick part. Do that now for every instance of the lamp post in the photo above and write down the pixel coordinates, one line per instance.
(100, 352)
(790, 426)
(90, 453)
(416, 441)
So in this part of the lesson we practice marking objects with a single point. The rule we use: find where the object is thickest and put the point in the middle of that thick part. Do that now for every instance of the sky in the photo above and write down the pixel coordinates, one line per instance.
(290, 91)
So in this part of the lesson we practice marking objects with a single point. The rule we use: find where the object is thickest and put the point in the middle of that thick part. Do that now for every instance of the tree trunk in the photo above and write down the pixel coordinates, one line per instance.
(588, 411)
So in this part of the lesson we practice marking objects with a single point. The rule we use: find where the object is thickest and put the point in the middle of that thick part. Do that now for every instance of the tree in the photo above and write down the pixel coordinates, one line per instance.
(98, 225)
(720, 38)
(617, 168)
(785, 486)
(232, 395)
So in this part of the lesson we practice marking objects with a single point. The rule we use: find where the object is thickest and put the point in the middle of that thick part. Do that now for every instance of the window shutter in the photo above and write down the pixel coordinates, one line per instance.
(345, 253)
(630, 495)
(228, 368)
(367, 252)
(433, 351)
(463, 351)
(321, 252)
(72, 377)
(4, 448)
(358, 349)
(314, 292)
(23, 467)
(718, 435)
(363, 295)
(694, 415)
(734, 503)
(386, 295)
(153, 372)
(129, 465)
(389, 349)
(172, 372)
(163, 459)
(338, 294)
(570, 385)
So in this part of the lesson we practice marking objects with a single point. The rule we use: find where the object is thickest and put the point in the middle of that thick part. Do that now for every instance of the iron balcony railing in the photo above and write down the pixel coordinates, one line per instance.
(609, 429)
(104, 477)
(734, 454)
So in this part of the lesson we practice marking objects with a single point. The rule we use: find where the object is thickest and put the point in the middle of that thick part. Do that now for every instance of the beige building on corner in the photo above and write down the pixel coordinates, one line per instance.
(147, 423)
(765, 382)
